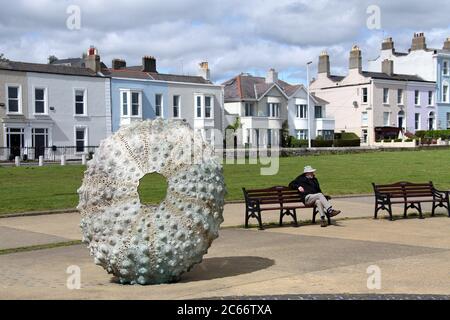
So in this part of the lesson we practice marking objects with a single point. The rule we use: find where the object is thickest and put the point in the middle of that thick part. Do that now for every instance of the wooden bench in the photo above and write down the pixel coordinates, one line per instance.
(281, 198)
(411, 195)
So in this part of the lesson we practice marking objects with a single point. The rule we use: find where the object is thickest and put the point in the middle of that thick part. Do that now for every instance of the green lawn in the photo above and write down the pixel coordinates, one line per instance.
(54, 187)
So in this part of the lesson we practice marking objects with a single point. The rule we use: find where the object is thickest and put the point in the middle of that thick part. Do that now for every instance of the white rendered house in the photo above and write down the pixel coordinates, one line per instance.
(266, 105)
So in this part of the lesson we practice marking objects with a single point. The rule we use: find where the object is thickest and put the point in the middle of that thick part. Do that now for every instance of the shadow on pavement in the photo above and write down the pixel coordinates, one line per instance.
(222, 267)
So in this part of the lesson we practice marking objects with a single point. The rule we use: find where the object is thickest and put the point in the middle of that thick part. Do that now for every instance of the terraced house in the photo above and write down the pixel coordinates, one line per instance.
(45, 107)
(265, 106)
(375, 105)
(427, 63)
(141, 92)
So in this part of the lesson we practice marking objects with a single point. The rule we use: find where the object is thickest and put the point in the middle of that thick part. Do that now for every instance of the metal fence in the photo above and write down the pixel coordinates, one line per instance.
(53, 153)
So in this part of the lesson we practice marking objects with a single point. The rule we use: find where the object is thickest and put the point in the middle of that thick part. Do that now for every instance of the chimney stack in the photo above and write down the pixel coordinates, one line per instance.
(204, 70)
(118, 64)
(418, 42)
(355, 61)
(92, 59)
(387, 44)
(447, 44)
(272, 76)
(149, 64)
(387, 66)
(324, 63)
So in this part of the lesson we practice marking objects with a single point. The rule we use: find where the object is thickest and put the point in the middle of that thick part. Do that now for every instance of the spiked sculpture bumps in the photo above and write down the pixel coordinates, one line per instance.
(151, 244)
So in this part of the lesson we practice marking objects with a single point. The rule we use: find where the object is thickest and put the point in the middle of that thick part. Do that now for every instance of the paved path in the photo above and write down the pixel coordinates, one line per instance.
(34, 230)
(413, 256)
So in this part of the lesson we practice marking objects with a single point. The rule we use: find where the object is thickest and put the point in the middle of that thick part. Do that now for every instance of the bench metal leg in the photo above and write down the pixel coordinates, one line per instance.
(288, 212)
(246, 218)
(315, 212)
(294, 213)
(382, 206)
(442, 203)
(253, 214)
(419, 207)
(258, 217)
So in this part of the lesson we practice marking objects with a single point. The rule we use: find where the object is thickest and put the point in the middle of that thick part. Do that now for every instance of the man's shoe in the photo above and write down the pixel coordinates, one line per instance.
(323, 223)
(333, 213)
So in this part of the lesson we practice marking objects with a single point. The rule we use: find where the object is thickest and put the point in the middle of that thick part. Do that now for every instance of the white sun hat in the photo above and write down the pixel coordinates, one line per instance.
(308, 169)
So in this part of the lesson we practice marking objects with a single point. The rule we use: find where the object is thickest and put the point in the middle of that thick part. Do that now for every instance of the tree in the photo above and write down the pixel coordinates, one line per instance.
(3, 58)
(235, 126)
(285, 138)
(52, 59)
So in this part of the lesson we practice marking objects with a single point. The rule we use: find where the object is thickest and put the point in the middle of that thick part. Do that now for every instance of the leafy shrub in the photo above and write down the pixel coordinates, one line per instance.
(347, 143)
(298, 143)
(433, 134)
(321, 143)
(398, 140)
(346, 139)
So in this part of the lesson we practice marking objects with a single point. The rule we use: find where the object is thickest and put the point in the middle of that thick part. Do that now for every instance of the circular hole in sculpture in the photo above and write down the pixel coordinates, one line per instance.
(152, 188)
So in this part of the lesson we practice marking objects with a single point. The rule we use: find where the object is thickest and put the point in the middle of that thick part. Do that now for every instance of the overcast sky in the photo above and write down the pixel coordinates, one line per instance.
(233, 35)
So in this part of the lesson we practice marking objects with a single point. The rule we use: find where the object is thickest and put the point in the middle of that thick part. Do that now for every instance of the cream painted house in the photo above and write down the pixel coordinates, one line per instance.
(375, 104)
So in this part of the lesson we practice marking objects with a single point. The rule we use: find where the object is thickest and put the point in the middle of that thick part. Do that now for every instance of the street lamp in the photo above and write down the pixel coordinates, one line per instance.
(307, 99)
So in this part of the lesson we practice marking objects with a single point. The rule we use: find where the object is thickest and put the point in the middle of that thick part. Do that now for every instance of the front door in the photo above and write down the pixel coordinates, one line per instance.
(15, 144)
(14, 139)
(39, 146)
(40, 142)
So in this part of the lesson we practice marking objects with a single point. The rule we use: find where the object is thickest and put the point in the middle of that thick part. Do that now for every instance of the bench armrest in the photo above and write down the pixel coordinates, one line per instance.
(252, 203)
(383, 196)
(441, 194)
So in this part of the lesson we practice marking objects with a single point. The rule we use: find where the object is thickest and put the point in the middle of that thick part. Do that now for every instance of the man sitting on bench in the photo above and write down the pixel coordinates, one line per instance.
(309, 188)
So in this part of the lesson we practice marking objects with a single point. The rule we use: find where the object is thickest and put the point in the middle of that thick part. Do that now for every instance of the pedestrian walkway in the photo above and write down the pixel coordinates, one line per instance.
(412, 255)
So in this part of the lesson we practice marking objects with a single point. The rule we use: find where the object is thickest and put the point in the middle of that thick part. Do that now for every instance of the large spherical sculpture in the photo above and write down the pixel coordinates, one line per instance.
(151, 244)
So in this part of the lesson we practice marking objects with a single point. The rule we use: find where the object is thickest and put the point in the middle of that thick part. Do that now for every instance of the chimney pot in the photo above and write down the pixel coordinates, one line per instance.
(447, 44)
(387, 66)
(355, 61)
(92, 59)
(418, 42)
(204, 70)
(324, 63)
(387, 44)
(272, 76)
(149, 64)
(118, 64)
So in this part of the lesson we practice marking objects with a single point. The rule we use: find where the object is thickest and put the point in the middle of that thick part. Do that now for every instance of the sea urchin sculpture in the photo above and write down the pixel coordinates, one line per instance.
(151, 244)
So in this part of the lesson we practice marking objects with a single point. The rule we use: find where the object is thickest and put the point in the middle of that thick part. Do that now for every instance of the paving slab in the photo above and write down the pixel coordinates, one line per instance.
(15, 238)
(251, 262)
(66, 225)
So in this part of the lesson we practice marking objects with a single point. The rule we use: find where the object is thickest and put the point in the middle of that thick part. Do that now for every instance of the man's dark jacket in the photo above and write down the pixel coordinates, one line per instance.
(310, 185)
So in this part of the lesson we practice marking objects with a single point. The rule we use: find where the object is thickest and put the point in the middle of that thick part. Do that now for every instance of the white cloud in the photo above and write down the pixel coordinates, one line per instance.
(233, 35)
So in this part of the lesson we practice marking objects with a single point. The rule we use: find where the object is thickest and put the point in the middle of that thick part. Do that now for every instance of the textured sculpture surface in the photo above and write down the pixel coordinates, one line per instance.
(151, 244)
